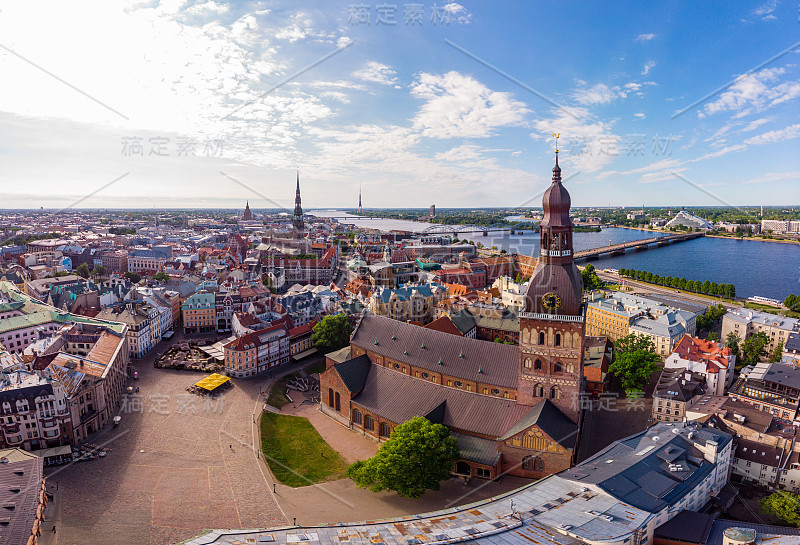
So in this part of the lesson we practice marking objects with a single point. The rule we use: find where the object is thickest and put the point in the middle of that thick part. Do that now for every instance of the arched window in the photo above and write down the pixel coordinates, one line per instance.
(558, 339)
(555, 393)
(538, 391)
(541, 337)
(533, 463)
(357, 417)
(330, 397)
(557, 368)
(369, 423)
(537, 365)
(528, 363)
(337, 401)
(570, 368)
(385, 430)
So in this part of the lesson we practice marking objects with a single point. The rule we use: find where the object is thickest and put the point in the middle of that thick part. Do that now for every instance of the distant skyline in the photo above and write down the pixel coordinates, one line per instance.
(209, 104)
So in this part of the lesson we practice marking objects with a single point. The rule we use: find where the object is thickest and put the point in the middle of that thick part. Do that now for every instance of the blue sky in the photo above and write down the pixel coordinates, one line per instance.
(189, 101)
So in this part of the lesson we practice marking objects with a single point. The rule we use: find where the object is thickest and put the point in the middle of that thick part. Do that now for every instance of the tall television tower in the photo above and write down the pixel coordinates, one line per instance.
(359, 200)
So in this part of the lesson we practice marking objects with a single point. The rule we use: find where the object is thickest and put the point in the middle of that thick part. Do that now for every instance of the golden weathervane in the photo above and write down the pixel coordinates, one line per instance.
(556, 136)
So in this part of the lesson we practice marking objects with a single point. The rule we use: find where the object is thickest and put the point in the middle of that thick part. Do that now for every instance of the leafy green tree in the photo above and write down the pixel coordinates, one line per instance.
(712, 337)
(161, 276)
(784, 505)
(133, 277)
(590, 279)
(332, 333)
(635, 360)
(777, 354)
(83, 270)
(792, 302)
(98, 270)
(417, 457)
(732, 342)
(754, 348)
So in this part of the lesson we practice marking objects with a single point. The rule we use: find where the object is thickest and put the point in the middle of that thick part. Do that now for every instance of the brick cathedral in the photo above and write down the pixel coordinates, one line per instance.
(514, 410)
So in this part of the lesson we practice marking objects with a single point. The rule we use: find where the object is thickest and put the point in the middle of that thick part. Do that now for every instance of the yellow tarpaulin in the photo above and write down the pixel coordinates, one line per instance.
(211, 382)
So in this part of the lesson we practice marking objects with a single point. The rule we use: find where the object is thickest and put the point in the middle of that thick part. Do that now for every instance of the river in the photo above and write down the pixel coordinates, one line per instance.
(763, 268)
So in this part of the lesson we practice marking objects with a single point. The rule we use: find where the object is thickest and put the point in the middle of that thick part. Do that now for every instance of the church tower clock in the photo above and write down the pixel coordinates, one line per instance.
(552, 323)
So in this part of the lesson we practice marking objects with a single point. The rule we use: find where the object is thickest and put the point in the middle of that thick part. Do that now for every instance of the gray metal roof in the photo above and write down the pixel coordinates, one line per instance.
(461, 357)
(399, 397)
(478, 450)
(652, 469)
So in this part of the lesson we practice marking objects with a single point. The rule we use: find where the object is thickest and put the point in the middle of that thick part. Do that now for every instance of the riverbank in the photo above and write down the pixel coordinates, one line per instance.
(757, 239)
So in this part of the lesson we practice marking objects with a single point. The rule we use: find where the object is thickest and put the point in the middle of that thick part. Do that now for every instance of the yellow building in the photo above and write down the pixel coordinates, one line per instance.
(199, 313)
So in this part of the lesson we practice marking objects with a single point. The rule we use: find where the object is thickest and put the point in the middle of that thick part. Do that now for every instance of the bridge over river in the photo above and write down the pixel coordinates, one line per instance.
(644, 244)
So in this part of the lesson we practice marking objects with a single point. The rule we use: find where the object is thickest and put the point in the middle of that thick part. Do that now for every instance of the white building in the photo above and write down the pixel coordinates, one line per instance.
(713, 361)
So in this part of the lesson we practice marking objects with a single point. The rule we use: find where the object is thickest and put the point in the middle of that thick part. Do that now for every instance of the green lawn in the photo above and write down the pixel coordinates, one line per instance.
(277, 395)
(295, 452)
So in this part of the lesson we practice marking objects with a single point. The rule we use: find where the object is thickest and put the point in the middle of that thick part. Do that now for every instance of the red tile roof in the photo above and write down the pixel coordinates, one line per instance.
(444, 325)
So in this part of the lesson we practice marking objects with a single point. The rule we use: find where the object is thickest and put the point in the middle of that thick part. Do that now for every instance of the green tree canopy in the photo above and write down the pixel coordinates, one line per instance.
(332, 333)
(635, 360)
(161, 276)
(99, 270)
(133, 277)
(417, 457)
(777, 354)
(83, 270)
(754, 348)
(590, 279)
(784, 505)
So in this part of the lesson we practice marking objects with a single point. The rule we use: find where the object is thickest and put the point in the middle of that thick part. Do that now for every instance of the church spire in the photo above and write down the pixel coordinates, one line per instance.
(297, 220)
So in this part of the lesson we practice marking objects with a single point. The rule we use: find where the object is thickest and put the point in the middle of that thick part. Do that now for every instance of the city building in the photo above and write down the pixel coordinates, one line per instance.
(622, 314)
(23, 495)
(686, 219)
(675, 389)
(36, 412)
(144, 321)
(146, 261)
(411, 302)
(248, 215)
(199, 313)
(256, 352)
(770, 387)
(711, 360)
(743, 322)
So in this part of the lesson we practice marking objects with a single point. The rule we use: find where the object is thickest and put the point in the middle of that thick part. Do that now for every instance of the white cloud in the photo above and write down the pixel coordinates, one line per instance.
(459, 106)
(459, 13)
(466, 152)
(645, 37)
(639, 115)
(207, 8)
(376, 72)
(752, 93)
(596, 94)
(587, 145)
(786, 133)
(774, 177)
(755, 124)
(649, 65)
(764, 12)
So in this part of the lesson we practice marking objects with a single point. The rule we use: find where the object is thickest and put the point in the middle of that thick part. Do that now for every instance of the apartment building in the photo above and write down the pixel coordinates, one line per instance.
(621, 314)
(711, 360)
(743, 322)
(199, 313)
(256, 352)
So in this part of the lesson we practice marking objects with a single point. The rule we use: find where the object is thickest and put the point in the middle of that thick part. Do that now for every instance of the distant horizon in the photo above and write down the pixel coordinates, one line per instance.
(423, 209)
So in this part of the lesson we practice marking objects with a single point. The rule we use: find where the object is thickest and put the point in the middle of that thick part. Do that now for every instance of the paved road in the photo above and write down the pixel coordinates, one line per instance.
(640, 287)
